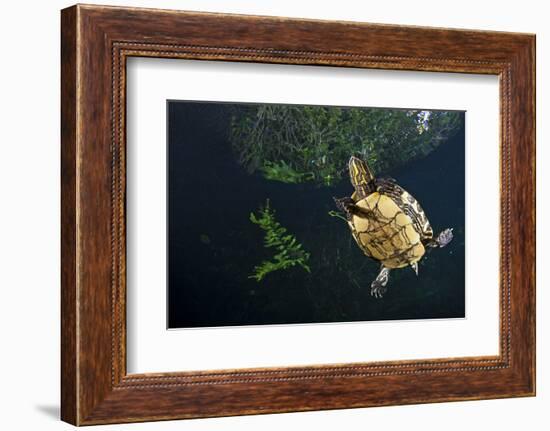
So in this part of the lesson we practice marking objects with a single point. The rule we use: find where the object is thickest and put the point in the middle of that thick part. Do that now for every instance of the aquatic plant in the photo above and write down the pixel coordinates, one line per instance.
(337, 215)
(288, 251)
(296, 144)
(281, 171)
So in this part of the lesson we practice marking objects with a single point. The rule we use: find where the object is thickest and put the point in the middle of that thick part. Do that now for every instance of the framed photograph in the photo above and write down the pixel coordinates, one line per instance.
(266, 214)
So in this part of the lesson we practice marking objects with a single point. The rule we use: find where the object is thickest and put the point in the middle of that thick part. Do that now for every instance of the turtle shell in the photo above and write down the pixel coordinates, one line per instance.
(390, 227)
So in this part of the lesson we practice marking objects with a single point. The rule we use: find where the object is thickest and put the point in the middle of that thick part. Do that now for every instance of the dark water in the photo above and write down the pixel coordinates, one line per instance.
(213, 247)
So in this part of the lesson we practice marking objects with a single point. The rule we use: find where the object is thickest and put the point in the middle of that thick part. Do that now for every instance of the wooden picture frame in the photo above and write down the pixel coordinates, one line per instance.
(95, 43)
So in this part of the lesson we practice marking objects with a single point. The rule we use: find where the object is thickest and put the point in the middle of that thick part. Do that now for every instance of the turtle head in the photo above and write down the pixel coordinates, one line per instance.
(359, 173)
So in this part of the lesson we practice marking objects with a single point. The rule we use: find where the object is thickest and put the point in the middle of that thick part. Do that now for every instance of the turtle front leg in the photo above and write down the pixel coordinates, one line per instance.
(378, 286)
(346, 205)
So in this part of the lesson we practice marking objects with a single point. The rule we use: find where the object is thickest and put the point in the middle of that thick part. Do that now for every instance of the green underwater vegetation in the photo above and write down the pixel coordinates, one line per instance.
(337, 214)
(299, 144)
(288, 251)
(283, 172)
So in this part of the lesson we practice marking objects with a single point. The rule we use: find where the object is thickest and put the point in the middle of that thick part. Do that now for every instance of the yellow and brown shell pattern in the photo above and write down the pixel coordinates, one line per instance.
(390, 226)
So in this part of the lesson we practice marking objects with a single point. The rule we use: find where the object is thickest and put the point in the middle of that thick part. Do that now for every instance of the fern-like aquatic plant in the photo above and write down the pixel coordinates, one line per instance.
(288, 251)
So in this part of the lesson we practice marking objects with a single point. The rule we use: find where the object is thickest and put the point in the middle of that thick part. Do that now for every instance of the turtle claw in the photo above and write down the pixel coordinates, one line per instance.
(378, 286)
(445, 237)
(377, 290)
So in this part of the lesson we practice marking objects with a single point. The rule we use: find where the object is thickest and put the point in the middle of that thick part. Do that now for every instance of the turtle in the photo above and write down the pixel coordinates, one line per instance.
(388, 223)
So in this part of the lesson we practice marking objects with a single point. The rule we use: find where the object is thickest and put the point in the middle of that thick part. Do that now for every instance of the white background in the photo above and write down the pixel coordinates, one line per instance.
(151, 348)
(29, 216)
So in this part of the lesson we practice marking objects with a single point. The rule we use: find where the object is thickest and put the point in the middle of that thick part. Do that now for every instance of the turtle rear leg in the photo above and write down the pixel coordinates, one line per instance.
(378, 286)
(444, 238)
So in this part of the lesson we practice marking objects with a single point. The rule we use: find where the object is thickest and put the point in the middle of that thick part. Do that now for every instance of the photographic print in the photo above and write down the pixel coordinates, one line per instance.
(296, 214)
